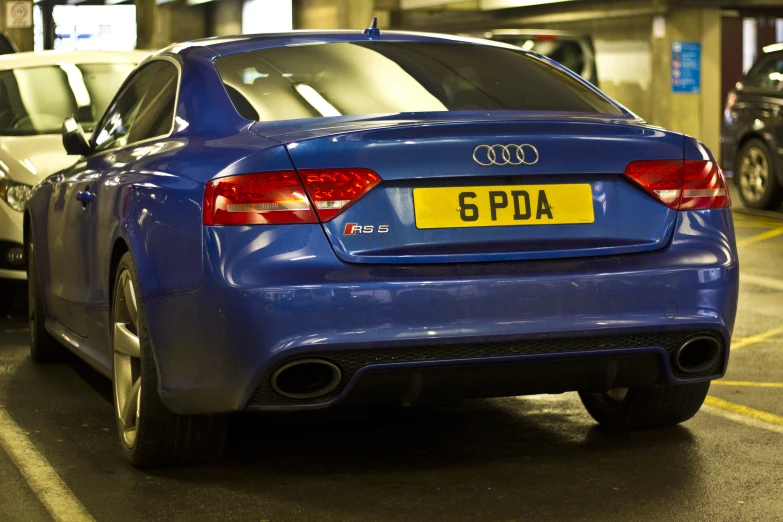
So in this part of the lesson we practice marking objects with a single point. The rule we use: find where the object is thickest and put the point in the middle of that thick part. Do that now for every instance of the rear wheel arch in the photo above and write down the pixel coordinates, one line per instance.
(26, 232)
(118, 250)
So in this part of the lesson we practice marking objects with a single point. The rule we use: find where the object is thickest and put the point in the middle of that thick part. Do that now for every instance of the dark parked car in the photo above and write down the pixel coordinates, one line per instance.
(7, 46)
(753, 132)
(573, 50)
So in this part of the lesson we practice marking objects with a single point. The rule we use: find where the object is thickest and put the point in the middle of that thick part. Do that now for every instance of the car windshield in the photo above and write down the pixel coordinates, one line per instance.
(364, 78)
(36, 100)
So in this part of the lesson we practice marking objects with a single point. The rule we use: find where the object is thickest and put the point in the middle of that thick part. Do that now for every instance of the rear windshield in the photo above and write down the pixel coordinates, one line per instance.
(564, 51)
(365, 78)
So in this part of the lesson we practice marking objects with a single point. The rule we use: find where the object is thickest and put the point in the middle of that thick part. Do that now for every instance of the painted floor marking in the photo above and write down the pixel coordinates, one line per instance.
(743, 414)
(760, 237)
(753, 384)
(758, 338)
(760, 280)
(752, 224)
(50, 489)
(757, 219)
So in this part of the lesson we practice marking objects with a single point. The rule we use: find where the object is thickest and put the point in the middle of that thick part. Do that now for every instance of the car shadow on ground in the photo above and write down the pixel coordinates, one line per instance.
(536, 456)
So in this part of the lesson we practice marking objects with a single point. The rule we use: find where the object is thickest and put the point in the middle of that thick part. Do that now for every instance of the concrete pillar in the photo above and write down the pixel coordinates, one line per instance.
(227, 18)
(180, 22)
(697, 115)
(23, 38)
(148, 25)
(336, 14)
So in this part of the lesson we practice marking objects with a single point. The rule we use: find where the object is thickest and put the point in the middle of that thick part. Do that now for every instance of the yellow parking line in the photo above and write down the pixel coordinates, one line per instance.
(775, 283)
(748, 383)
(50, 489)
(758, 338)
(751, 224)
(744, 411)
(755, 219)
(760, 237)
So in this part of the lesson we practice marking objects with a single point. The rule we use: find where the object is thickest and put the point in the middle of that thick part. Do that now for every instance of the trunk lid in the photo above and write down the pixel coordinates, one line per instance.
(565, 196)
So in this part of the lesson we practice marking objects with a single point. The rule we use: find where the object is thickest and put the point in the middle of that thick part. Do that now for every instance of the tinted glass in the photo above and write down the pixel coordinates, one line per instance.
(6, 46)
(565, 52)
(118, 120)
(36, 100)
(768, 77)
(156, 114)
(391, 77)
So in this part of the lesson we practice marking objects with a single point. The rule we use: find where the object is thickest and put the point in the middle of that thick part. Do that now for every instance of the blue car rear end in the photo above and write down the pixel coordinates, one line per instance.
(415, 315)
(343, 219)
(369, 304)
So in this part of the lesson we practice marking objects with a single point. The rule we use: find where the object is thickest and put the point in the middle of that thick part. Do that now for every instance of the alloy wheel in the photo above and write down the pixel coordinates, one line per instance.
(754, 174)
(127, 359)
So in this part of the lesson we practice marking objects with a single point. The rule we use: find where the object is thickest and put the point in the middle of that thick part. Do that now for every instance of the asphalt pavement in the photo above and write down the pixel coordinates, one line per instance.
(527, 458)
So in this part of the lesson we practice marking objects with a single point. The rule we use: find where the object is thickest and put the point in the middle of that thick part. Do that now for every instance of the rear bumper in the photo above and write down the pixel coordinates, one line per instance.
(271, 295)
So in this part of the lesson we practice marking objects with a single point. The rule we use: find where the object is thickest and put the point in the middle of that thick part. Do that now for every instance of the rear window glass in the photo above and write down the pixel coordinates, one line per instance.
(564, 52)
(361, 78)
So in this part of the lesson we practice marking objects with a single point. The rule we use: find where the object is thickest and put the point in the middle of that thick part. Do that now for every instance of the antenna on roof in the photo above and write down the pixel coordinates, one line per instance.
(373, 29)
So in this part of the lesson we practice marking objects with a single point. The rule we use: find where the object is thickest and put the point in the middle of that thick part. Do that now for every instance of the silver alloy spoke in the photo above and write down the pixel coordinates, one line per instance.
(125, 341)
(127, 359)
(129, 412)
(754, 174)
(130, 300)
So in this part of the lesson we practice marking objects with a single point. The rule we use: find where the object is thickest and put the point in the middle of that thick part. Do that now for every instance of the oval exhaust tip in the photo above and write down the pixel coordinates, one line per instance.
(306, 378)
(697, 354)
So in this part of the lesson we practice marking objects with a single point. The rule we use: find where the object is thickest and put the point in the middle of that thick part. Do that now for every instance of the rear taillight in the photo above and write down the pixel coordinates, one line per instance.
(271, 197)
(682, 185)
(662, 178)
(279, 197)
(333, 190)
(704, 186)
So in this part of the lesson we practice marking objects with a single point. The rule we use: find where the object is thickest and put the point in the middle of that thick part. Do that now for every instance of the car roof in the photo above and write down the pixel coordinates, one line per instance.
(226, 45)
(534, 32)
(44, 58)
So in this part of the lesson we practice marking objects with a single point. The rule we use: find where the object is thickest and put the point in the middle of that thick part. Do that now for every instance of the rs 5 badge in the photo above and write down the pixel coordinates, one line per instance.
(351, 229)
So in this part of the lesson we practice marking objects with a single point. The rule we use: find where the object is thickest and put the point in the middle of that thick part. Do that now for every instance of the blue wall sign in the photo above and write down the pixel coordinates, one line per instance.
(686, 67)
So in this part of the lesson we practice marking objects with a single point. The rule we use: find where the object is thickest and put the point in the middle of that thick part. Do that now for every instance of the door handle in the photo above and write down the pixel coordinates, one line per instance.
(85, 196)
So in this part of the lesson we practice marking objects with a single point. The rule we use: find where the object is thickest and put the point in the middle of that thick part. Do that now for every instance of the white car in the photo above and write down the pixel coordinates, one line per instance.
(37, 92)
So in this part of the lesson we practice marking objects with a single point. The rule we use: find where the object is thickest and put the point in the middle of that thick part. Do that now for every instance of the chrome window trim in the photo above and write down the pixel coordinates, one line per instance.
(120, 90)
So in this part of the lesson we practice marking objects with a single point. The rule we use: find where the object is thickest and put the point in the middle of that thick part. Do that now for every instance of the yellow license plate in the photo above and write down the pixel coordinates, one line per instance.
(508, 205)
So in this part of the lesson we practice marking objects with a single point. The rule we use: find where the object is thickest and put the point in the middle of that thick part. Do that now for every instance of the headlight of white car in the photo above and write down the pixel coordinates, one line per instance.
(15, 194)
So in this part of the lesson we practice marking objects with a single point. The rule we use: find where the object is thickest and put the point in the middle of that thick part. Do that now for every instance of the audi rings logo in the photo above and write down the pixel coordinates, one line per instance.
(500, 155)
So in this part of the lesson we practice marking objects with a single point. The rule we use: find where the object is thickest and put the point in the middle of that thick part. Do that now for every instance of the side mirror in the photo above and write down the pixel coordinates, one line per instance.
(74, 141)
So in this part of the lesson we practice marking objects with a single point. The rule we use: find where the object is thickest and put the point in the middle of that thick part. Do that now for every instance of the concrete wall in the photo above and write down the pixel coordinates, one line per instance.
(697, 115)
(179, 22)
(338, 14)
(226, 18)
(624, 58)
(22, 37)
(634, 67)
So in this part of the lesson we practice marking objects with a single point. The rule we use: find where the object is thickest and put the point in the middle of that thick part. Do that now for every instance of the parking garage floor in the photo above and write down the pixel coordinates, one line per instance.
(526, 458)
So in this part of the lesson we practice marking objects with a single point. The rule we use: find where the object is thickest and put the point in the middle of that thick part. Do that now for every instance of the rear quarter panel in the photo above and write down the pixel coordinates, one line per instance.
(151, 198)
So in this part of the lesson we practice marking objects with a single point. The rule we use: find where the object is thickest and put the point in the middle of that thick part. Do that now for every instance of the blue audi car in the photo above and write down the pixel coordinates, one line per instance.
(322, 219)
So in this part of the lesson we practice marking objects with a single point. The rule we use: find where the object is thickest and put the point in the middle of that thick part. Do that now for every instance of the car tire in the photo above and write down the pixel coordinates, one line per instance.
(648, 407)
(7, 293)
(756, 176)
(43, 347)
(150, 436)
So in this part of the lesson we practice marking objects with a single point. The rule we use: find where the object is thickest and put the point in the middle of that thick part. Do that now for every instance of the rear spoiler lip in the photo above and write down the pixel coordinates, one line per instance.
(288, 131)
